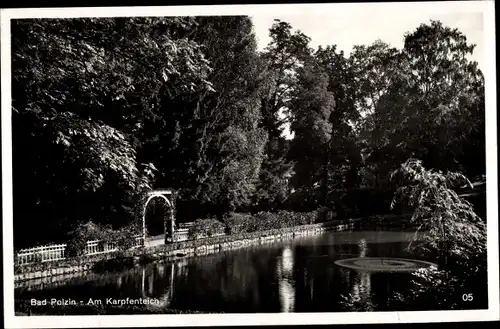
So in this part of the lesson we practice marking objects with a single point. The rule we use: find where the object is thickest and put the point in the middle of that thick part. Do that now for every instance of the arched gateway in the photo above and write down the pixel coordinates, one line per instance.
(169, 221)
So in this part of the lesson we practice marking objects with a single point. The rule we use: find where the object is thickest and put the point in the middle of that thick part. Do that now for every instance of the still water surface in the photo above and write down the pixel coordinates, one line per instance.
(297, 275)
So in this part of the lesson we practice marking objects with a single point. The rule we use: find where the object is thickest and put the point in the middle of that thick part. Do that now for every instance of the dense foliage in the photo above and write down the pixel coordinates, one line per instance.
(124, 238)
(447, 227)
(263, 221)
(106, 108)
(451, 226)
(205, 228)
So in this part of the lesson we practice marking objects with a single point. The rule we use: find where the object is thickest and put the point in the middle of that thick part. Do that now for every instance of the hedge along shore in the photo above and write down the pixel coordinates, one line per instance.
(200, 247)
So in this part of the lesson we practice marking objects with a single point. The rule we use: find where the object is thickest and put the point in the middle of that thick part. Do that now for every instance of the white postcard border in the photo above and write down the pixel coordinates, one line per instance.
(11, 321)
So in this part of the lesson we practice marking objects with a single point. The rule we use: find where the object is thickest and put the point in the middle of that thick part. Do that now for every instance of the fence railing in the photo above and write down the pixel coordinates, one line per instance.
(41, 254)
(181, 234)
(58, 252)
(186, 225)
(97, 247)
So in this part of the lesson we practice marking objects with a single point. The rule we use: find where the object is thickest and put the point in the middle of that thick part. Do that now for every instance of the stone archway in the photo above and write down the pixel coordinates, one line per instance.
(169, 221)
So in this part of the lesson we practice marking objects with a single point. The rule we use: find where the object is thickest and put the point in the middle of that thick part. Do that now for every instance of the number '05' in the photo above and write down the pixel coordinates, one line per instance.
(467, 297)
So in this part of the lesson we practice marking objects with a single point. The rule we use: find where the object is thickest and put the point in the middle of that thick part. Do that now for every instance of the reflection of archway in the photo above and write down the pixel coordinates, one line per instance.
(169, 220)
(163, 280)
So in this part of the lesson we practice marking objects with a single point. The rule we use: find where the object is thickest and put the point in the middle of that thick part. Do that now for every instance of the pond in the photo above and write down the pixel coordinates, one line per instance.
(298, 275)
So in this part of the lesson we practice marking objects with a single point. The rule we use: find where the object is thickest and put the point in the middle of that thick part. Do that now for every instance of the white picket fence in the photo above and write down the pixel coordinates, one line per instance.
(181, 234)
(58, 251)
(41, 254)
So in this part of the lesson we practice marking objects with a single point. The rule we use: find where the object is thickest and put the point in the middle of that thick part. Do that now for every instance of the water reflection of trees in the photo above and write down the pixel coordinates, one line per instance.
(318, 281)
(231, 281)
(362, 288)
(232, 276)
(286, 282)
(359, 298)
(372, 291)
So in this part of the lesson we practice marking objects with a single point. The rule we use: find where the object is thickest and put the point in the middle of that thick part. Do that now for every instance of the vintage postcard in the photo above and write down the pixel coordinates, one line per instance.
(249, 164)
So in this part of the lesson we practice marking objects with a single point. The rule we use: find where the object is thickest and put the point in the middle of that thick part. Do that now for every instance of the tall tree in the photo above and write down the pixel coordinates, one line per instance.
(343, 151)
(311, 107)
(374, 68)
(377, 70)
(433, 108)
(449, 96)
(286, 52)
(210, 146)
